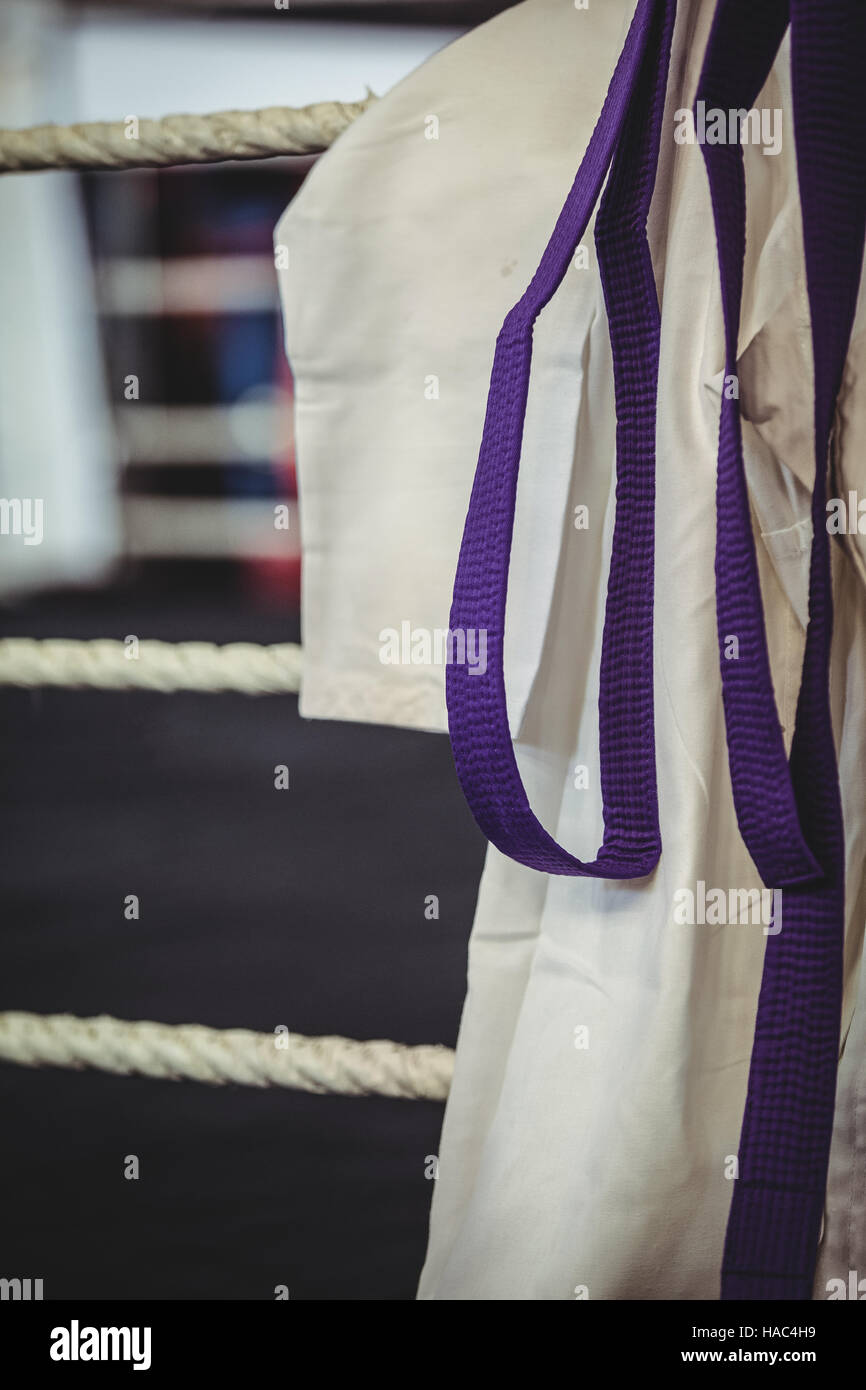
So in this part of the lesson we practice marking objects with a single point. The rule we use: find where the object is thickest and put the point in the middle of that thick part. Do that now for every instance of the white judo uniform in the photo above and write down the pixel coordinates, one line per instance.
(589, 1139)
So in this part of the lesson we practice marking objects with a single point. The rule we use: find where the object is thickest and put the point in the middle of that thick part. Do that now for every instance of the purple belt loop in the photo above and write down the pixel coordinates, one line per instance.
(743, 43)
(789, 818)
(626, 134)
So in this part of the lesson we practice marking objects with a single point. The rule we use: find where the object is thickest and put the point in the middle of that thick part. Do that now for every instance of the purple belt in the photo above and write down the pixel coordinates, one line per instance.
(789, 812)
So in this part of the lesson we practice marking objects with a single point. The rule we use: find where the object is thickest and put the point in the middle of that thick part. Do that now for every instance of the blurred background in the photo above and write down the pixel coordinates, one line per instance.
(144, 395)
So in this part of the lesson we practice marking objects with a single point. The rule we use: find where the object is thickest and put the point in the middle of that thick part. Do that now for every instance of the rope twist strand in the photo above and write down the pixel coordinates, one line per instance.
(106, 664)
(180, 139)
(218, 1057)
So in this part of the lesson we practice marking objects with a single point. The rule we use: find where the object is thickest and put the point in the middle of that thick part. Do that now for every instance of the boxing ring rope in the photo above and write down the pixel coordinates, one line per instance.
(104, 664)
(327, 1065)
(185, 139)
(192, 1052)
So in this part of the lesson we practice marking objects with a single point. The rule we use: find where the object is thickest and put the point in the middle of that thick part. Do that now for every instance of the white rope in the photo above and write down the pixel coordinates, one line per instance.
(185, 139)
(192, 1052)
(147, 665)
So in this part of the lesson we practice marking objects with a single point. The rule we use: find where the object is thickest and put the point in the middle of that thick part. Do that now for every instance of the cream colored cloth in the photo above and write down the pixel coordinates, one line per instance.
(602, 1062)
